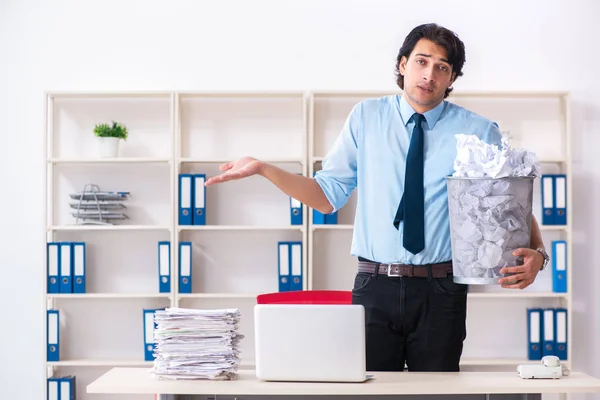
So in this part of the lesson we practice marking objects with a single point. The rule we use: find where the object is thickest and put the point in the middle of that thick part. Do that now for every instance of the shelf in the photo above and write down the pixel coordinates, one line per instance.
(332, 227)
(318, 159)
(508, 295)
(239, 228)
(222, 160)
(556, 228)
(109, 296)
(514, 294)
(350, 227)
(98, 362)
(551, 228)
(239, 94)
(108, 94)
(455, 94)
(109, 228)
(218, 296)
(121, 160)
(506, 94)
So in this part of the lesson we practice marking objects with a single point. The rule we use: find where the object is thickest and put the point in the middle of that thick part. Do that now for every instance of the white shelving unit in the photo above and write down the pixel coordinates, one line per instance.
(235, 253)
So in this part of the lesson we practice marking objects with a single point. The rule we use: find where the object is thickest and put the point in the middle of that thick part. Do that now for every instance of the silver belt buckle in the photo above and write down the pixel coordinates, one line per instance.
(390, 273)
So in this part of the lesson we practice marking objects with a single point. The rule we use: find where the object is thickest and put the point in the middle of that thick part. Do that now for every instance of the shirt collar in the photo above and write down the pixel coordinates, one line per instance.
(431, 116)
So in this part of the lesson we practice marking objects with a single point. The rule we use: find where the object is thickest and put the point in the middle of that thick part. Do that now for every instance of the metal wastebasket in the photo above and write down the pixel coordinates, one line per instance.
(489, 219)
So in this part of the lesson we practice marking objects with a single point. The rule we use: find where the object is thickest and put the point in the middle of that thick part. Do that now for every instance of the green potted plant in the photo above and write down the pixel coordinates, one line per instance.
(109, 137)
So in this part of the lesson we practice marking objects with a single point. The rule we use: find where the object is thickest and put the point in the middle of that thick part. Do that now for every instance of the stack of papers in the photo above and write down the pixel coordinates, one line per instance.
(196, 344)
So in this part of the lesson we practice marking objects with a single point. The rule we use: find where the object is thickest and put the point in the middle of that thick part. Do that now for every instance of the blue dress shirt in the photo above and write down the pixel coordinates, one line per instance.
(369, 155)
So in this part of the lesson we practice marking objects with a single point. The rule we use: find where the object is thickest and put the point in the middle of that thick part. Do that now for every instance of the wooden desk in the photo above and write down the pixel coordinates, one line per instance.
(403, 385)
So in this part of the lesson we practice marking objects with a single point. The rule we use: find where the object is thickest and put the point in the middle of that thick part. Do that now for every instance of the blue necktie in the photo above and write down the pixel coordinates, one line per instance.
(411, 208)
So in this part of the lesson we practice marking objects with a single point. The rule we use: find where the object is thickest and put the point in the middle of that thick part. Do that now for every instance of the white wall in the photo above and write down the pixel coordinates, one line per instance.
(260, 44)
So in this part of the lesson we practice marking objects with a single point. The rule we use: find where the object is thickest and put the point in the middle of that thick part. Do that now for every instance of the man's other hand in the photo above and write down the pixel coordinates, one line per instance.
(239, 169)
(525, 274)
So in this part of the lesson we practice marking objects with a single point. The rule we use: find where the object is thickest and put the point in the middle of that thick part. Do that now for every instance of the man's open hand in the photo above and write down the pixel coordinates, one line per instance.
(239, 169)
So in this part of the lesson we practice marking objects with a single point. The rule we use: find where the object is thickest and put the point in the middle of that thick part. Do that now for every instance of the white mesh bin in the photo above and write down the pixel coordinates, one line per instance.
(489, 219)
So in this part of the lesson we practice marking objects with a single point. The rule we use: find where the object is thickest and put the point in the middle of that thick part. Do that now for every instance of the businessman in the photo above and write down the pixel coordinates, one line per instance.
(397, 150)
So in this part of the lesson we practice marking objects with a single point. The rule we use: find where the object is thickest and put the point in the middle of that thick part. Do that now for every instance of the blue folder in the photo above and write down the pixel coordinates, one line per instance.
(53, 267)
(79, 267)
(559, 266)
(186, 198)
(561, 329)
(534, 333)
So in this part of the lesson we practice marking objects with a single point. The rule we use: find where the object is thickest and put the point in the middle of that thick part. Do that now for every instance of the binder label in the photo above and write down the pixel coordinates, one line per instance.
(185, 260)
(534, 323)
(53, 260)
(164, 262)
(561, 327)
(186, 194)
(561, 257)
(199, 196)
(549, 325)
(79, 260)
(561, 200)
(52, 328)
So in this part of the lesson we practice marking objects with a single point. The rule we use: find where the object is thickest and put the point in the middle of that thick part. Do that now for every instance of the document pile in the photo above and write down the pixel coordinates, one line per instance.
(196, 344)
(476, 158)
(490, 204)
(93, 206)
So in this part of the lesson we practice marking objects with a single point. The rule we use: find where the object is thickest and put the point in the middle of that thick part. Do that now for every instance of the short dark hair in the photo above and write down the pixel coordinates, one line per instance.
(442, 37)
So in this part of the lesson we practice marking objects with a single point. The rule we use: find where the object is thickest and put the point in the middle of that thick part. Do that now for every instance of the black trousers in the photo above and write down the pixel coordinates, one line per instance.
(417, 321)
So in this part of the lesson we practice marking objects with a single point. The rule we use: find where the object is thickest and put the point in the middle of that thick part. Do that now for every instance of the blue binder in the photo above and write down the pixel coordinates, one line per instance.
(283, 259)
(331, 219)
(199, 199)
(295, 212)
(53, 388)
(66, 268)
(149, 327)
(318, 217)
(53, 335)
(185, 267)
(534, 333)
(164, 267)
(79, 256)
(559, 266)
(186, 190)
(295, 266)
(68, 387)
(549, 335)
(53, 265)
(560, 199)
(290, 266)
(548, 200)
(560, 322)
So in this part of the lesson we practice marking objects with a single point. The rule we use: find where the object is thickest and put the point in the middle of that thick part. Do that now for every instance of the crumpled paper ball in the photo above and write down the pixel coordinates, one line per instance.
(476, 158)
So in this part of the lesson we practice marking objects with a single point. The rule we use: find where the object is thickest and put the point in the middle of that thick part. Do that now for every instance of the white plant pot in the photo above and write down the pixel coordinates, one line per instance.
(108, 147)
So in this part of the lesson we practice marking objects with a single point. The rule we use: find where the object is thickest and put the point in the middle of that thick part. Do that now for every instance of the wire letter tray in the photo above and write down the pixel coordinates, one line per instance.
(93, 206)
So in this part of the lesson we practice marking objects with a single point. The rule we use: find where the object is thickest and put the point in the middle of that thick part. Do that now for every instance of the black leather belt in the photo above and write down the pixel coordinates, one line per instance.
(440, 270)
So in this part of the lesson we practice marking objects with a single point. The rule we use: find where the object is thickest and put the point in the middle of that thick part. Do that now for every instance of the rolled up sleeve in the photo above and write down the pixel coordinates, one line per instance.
(493, 135)
(338, 176)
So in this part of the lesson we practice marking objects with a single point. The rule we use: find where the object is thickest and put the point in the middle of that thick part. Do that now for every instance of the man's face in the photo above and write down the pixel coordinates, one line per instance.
(427, 74)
